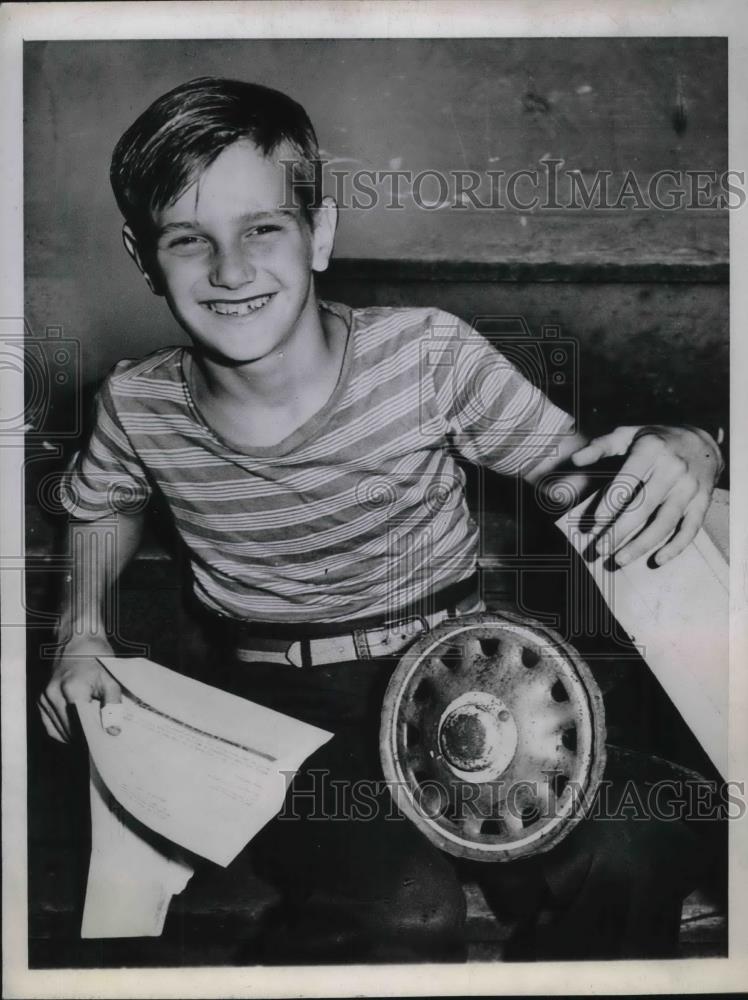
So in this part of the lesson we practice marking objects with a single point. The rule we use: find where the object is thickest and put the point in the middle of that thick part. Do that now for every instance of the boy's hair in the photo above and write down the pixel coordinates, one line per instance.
(184, 131)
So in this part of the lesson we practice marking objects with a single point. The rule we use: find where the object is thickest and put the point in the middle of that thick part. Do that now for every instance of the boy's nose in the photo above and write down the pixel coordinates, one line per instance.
(231, 269)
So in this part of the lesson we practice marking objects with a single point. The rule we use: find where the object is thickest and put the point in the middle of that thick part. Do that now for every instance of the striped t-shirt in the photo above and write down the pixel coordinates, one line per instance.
(361, 510)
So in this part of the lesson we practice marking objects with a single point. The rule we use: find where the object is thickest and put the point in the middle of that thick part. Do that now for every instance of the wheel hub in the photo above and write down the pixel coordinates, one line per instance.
(477, 736)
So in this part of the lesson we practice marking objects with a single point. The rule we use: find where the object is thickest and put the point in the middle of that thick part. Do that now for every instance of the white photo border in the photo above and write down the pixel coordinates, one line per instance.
(330, 19)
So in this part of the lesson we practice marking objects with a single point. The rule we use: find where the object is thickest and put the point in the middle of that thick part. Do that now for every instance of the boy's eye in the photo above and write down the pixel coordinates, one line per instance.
(187, 244)
(192, 243)
(264, 230)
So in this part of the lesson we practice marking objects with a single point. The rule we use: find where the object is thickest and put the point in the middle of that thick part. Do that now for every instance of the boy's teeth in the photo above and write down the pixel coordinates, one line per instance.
(238, 308)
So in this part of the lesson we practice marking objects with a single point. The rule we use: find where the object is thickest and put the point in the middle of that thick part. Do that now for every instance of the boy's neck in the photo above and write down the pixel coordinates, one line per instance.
(263, 402)
(281, 377)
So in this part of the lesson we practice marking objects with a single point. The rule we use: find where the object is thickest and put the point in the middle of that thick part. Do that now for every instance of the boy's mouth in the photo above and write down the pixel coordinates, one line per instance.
(241, 307)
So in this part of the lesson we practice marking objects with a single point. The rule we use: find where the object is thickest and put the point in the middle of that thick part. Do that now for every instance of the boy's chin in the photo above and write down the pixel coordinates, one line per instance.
(233, 351)
(235, 359)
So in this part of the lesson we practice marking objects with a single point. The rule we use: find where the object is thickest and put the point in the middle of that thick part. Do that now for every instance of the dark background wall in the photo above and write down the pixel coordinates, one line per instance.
(652, 336)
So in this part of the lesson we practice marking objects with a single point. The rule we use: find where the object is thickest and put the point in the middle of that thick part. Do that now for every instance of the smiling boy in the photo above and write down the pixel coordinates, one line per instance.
(273, 439)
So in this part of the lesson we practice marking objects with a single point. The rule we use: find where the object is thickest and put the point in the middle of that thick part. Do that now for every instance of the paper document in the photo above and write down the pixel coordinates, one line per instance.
(197, 765)
(678, 617)
(130, 880)
(204, 769)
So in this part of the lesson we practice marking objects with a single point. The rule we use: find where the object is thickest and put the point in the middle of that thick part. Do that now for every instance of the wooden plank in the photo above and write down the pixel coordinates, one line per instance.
(601, 267)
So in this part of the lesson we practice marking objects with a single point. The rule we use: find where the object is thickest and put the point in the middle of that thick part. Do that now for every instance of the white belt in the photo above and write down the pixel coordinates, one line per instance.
(361, 644)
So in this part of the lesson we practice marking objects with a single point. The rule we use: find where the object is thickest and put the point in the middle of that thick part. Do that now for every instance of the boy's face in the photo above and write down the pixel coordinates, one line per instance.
(235, 268)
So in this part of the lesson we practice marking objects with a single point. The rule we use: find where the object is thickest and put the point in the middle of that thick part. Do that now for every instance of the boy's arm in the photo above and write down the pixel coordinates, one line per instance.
(660, 494)
(77, 675)
(498, 417)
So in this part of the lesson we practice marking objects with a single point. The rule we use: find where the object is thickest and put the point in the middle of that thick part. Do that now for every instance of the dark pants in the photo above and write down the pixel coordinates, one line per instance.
(360, 883)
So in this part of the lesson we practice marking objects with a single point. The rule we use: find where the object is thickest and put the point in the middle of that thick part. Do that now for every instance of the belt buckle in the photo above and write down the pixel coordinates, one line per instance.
(395, 628)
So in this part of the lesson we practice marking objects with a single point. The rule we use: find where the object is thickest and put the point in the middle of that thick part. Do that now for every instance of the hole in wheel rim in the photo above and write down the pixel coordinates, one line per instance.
(569, 738)
(559, 692)
(412, 735)
(530, 657)
(424, 691)
(490, 647)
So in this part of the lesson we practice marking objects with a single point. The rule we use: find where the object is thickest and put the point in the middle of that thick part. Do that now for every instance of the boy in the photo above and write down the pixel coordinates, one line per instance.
(298, 444)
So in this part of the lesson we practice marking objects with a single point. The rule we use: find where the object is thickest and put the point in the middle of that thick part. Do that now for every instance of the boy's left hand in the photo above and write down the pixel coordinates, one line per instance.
(661, 492)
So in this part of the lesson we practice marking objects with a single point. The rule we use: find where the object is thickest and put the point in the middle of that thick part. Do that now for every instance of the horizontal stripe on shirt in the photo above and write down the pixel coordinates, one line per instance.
(362, 509)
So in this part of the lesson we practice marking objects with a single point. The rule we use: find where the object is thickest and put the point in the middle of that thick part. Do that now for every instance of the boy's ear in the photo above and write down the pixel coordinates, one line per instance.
(323, 233)
(131, 245)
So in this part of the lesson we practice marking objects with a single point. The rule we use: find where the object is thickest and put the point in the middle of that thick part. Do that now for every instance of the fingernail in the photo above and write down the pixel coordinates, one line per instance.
(111, 717)
(623, 558)
(590, 553)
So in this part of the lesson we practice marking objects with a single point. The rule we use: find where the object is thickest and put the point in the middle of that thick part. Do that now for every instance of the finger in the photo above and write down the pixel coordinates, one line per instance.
(662, 487)
(77, 690)
(651, 463)
(617, 442)
(111, 704)
(626, 489)
(590, 454)
(56, 707)
(662, 527)
(688, 530)
(111, 718)
(111, 692)
(50, 724)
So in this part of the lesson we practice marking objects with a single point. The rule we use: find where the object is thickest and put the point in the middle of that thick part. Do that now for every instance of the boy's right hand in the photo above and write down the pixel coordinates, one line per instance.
(78, 676)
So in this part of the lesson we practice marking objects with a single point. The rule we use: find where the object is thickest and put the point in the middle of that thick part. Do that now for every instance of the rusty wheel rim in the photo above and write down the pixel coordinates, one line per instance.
(493, 737)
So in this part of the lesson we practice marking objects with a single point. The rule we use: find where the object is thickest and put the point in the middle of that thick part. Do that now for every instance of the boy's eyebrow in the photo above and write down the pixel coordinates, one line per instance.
(247, 217)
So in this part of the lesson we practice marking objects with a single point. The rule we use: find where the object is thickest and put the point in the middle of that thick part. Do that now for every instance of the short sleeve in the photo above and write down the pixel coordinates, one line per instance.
(106, 477)
(496, 416)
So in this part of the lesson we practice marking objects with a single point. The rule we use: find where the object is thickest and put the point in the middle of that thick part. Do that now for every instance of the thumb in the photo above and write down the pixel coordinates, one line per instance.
(591, 453)
(112, 709)
(617, 442)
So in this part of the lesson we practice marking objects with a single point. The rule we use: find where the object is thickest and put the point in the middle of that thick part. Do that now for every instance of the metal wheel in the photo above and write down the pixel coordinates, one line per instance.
(492, 737)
